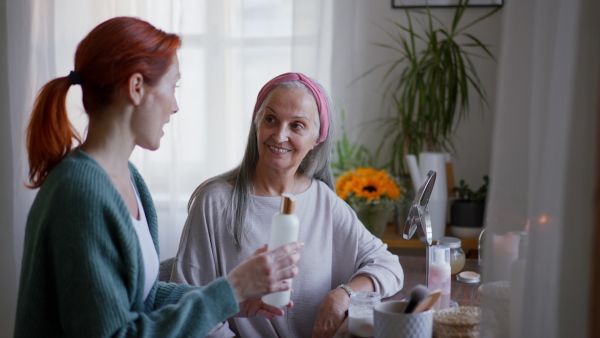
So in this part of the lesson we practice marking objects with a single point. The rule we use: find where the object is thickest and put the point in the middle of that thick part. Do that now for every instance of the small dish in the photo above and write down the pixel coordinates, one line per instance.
(468, 277)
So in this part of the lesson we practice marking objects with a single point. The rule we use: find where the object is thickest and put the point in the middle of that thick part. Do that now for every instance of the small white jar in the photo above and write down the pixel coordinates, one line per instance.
(457, 255)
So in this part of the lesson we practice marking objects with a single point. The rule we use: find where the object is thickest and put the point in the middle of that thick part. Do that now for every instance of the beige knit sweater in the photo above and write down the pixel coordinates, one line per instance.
(338, 248)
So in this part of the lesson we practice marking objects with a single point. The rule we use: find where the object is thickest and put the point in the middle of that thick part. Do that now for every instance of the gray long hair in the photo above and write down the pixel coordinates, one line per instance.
(315, 165)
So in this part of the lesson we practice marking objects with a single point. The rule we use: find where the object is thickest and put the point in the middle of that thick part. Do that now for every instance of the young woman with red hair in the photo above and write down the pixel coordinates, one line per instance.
(90, 261)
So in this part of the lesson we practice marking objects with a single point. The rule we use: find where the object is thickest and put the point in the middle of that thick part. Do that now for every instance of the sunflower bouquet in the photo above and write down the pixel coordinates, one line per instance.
(372, 194)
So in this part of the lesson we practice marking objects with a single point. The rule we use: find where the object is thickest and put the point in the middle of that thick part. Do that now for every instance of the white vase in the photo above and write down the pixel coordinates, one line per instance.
(438, 201)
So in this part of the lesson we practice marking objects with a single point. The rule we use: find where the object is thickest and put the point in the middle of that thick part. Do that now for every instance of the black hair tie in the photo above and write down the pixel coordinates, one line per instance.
(75, 77)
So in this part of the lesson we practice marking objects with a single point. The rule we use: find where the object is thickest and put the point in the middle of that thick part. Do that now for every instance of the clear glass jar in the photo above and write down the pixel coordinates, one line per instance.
(360, 313)
(457, 255)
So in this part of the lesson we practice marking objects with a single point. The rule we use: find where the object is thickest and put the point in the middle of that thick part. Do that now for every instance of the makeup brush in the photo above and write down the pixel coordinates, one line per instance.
(428, 302)
(417, 295)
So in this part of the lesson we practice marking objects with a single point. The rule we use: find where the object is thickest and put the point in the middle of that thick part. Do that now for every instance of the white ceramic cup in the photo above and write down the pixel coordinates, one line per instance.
(391, 322)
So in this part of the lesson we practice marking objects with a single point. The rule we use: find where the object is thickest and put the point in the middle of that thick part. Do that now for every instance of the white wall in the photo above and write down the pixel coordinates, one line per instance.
(356, 28)
(8, 265)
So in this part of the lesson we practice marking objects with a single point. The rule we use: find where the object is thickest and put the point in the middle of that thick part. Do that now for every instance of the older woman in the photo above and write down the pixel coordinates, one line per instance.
(288, 151)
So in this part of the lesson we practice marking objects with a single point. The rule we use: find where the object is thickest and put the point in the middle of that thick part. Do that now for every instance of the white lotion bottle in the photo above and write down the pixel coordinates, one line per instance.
(439, 275)
(284, 230)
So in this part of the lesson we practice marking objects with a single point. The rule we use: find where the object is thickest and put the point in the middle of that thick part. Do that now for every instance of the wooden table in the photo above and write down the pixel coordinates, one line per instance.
(414, 273)
(393, 240)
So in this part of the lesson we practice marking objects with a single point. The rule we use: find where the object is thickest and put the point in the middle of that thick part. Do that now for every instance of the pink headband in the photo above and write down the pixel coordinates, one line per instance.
(322, 103)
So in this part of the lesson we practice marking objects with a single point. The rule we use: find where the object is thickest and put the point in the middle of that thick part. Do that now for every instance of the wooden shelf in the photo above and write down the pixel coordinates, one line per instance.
(394, 240)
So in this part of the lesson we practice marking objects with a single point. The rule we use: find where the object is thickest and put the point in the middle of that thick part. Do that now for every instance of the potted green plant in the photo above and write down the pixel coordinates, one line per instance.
(427, 85)
(468, 209)
(348, 155)
(347, 158)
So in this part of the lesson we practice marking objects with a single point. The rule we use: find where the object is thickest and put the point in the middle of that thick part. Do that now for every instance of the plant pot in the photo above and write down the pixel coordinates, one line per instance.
(466, 218)
(374, 219)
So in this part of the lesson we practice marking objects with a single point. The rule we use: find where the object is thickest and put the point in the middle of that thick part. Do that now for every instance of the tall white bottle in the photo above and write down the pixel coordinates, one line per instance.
(284, 230)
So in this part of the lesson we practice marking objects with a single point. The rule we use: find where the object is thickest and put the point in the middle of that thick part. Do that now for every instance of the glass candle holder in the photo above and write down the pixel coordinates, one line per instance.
(360, 313)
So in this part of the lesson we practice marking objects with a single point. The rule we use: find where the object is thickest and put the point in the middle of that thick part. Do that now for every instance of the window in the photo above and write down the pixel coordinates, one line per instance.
(231, 48)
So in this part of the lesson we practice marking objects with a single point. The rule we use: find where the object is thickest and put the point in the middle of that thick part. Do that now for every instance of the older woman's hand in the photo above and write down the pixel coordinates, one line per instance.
(331, 313)
(264, 272)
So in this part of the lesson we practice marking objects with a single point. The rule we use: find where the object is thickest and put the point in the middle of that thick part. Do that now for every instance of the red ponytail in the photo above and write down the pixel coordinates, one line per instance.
(105, 59)
(49, 135)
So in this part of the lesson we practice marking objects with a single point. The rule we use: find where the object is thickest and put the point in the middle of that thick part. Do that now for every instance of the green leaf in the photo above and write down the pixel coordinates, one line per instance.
(478, 43)
(481, 18)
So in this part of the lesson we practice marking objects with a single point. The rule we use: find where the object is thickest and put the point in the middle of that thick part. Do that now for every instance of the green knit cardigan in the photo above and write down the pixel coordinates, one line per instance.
(82, 273)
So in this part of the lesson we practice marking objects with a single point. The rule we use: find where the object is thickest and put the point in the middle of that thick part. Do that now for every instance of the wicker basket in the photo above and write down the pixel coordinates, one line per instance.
(461, 321)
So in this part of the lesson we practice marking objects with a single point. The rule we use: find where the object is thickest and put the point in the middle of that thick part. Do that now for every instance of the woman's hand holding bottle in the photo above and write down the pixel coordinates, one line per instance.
(265, 271)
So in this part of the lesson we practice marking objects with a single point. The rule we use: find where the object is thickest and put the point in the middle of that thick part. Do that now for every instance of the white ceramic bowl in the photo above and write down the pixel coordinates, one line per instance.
(465, 232)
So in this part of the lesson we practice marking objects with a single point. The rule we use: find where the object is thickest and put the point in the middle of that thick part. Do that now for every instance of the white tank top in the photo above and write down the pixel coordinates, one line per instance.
(147, 246)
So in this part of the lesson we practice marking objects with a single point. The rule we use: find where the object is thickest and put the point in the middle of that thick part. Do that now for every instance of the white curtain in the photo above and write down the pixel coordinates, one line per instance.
(543, 165)
(230, 49)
